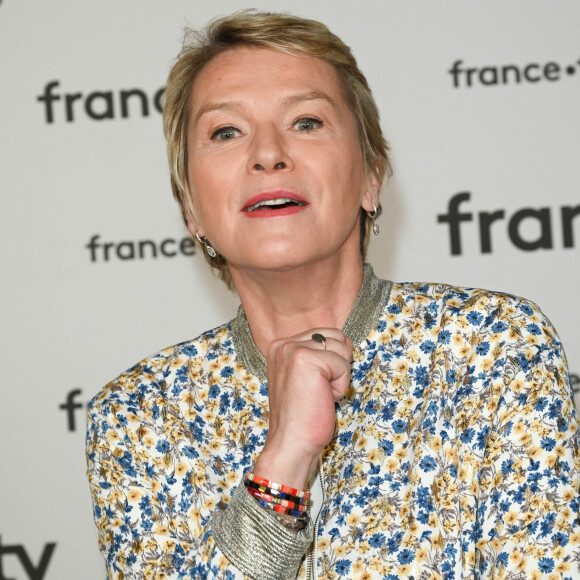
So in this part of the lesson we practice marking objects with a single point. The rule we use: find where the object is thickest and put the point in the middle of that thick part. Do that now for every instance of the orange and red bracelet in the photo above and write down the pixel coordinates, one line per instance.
(284, 503)
(282, 499)
(277, 486)
(276, 493)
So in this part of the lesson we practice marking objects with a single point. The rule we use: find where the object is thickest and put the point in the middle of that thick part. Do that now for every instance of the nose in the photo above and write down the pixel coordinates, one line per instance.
(269, 151)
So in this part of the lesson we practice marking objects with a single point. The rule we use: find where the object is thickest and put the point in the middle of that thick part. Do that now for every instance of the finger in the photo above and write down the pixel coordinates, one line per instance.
(340, 347)
(327, 332)
(334, 340)
(336, 370)
(333, 364)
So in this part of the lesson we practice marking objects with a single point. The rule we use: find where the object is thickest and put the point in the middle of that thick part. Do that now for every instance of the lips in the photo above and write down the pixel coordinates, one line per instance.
(274, 203)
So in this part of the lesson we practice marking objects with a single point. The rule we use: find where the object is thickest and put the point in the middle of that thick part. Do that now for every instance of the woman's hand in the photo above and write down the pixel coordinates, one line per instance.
(304, 381)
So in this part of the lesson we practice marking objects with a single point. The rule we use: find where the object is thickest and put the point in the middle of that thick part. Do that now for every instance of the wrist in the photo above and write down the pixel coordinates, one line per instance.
(288, 505)
(284, 468)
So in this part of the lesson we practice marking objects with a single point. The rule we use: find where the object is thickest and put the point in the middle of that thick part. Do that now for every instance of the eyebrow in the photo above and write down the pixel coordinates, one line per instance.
(309, 96)
(286, 101)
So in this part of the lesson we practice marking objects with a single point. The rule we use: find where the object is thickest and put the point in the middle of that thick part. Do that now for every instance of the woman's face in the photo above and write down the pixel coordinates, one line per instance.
(274, 161)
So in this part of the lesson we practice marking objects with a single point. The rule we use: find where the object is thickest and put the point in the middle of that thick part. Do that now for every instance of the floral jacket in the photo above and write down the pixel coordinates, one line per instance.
(456, 452)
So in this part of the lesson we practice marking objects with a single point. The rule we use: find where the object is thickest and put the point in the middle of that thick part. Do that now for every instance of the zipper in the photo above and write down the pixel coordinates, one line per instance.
(311, 571)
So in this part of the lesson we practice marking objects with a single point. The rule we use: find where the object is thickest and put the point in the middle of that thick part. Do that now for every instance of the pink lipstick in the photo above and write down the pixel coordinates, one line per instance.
(273, 204)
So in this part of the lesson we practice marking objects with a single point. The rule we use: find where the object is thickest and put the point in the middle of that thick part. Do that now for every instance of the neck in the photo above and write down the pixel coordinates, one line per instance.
(284, 303)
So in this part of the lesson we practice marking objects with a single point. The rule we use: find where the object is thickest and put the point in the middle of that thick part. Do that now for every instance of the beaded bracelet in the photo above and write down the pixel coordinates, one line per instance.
(279, 509)
(288, 505)
(276, 493)
(277, 486)
(283, 502)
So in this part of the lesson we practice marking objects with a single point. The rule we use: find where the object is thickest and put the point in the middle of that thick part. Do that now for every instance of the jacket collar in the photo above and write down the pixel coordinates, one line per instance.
(363, 318)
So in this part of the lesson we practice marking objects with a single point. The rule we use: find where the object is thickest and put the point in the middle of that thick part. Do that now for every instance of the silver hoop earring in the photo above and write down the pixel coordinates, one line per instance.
(373, 215)
(208, 248)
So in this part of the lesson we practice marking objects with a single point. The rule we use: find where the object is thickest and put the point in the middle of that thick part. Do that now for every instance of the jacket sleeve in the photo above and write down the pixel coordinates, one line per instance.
(528, 512)
(145, 532)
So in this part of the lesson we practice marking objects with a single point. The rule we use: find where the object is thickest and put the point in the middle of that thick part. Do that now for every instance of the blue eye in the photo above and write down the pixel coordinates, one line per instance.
(225, 133)
(308, 124)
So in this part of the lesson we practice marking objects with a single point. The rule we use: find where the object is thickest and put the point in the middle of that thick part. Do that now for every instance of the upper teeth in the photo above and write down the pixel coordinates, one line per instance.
(278, 201)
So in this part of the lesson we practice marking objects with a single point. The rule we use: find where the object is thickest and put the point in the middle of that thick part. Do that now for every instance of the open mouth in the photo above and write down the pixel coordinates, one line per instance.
(275, 204)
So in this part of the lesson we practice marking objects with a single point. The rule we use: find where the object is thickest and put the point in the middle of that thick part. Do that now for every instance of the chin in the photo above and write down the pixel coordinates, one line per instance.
(280, 259)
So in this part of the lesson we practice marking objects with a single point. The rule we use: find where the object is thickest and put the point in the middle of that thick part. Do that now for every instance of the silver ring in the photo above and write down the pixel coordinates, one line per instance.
(317, 337)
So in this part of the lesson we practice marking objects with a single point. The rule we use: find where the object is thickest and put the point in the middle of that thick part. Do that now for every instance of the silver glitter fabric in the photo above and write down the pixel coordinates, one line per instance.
(364, 316)
(255, 542)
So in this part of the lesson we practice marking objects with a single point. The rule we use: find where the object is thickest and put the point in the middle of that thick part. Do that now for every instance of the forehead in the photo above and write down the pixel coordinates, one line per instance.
(257, 73)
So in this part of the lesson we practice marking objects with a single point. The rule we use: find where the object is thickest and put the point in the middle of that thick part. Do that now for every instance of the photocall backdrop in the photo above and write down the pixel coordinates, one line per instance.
(479, 101)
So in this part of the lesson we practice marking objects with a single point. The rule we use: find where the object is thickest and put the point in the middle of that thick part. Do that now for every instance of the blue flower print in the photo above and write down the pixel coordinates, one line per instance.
(427, 464)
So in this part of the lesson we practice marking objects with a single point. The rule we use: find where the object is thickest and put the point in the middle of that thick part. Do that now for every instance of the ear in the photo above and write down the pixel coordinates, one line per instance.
(194, 227)
(371, 191)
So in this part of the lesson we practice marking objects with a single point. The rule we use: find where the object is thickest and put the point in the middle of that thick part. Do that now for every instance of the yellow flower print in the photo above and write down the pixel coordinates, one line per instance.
(397, 381)
(563, 567)
(416, 336)
(177, 362)
(399, 438)
(134, 495)
(323, 544)
(510, 518)
(464, 351)
(413, 356)
(161, 529)
(215, 445)
(363, 548)
(402, 367)
(181, 469)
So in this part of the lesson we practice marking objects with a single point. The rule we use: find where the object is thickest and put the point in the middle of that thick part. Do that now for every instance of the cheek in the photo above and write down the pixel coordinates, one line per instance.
(203, 185)
(348, 175)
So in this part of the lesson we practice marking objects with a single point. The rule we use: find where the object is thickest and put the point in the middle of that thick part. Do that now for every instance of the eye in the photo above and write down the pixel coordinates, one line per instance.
(225, 134)
(307, 124)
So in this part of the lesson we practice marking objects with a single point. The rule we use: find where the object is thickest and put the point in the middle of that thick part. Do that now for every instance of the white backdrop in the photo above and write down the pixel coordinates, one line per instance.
(73, 318)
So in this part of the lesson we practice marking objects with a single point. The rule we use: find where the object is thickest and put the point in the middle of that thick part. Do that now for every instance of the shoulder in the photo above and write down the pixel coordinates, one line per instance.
(454, 297)
(150, 378)
(507, 320)
(457, 301)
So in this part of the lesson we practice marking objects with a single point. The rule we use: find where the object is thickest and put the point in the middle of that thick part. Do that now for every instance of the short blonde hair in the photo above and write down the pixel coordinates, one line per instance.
(285, 33)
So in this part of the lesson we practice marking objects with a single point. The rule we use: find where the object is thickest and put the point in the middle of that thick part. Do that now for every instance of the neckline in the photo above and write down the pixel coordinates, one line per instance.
(363, 317)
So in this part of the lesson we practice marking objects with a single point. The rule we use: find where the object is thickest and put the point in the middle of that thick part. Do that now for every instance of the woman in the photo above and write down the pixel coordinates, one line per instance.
(432, 424)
